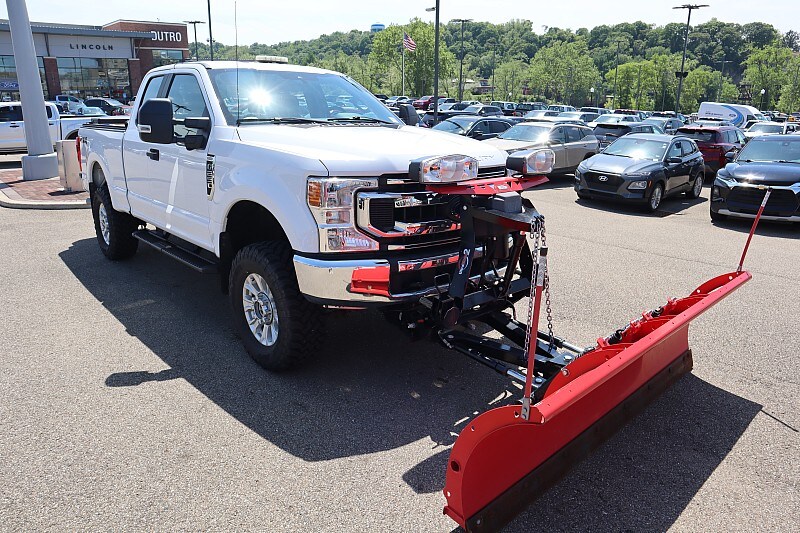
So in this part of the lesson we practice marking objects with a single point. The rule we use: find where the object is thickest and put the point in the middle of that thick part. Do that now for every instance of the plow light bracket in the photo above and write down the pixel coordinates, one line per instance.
(532, 162)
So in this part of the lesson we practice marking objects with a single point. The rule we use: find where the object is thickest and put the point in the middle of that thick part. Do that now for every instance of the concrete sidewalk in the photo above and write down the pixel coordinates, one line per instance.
(39, 194)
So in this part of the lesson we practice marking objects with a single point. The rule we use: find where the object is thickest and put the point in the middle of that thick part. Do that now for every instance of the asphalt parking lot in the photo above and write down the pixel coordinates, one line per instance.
(126, 401)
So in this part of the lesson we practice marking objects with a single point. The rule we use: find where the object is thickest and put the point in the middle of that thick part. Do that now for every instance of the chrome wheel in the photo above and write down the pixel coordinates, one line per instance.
(102, 217)
(259, 309)
(655, 198)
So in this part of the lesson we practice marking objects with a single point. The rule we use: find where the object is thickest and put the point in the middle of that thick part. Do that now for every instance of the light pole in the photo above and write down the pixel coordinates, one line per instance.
(194, 23)
(435, 64)
(210, 37)
(682, 75)
(616, 70)
(461, 67)
(722, 77)
(761, 105)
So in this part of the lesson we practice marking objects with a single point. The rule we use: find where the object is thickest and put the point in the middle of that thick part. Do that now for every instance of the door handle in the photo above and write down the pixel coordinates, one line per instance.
(153, 154)
(14, 126)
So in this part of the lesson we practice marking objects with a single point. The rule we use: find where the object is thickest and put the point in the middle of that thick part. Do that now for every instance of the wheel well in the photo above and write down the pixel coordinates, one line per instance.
(98, 177)
(72, 136)
(247, 223)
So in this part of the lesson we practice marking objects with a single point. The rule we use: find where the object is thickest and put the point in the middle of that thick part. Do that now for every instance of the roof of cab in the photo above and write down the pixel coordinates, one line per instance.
(242, 65)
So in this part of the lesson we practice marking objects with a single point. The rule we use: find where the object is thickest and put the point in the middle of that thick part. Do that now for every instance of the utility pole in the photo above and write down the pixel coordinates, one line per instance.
(721, 78)
(194, 23)
(435, 63)
(40, 162)
(210, 36)
(461, 67)
(616, 71)
(795, 89)
(494, 62)
(639, 86)
(682, 75)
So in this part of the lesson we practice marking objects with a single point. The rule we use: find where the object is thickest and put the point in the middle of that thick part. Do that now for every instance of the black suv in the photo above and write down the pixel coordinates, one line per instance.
(642, 168)
(768, 161)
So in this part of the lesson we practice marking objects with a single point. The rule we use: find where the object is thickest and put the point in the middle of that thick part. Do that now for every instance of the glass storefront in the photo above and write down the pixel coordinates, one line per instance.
(85, 77)
(9, 89)
(166, 57)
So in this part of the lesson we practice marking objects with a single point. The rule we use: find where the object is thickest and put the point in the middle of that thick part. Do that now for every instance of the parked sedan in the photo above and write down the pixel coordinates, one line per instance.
(583, 116)
(768, 161)
(770, 128)
(643, 169)
(423, 102)
(667, 125)
(612, 118)
(539, 113)
(571, 143)
(109, 106)
(475, 126)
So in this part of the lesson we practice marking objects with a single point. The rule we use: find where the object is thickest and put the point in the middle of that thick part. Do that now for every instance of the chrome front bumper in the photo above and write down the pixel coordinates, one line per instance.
(330, 281)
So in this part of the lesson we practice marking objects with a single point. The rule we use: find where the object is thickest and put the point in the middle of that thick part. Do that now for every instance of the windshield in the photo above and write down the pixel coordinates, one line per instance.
(524, 132)
(473, 109)
(271, 94)
(699, 135)
(766, 128)
(771, 150)
(637, 148)
(610, 119)
(451, 126)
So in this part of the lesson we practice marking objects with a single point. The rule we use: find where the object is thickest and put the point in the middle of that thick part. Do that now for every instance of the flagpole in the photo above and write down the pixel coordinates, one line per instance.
(403, 52)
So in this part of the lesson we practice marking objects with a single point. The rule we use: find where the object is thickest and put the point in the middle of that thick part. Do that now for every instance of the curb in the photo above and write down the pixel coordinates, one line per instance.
(5, 201)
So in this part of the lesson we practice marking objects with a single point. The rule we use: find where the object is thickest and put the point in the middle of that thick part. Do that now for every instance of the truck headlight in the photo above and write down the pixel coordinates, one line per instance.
(445, 169)
(331, 203)
(532, 162)
(637, 185)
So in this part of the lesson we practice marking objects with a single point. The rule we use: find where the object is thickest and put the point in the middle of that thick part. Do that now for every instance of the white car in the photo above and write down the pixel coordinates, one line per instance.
(613, 118)
(12, 126)
(69, 102)
(770, 128)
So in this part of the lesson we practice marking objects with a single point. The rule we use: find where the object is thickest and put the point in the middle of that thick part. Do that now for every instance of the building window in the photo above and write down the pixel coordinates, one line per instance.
(166, 57)
(9, 87)
(84, 77)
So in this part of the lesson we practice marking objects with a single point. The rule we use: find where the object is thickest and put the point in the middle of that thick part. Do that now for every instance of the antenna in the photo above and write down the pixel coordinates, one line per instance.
(236, 57)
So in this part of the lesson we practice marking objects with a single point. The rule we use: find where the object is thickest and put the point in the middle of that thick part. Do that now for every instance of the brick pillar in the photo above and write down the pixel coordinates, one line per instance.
(135, 73)
(51, 79)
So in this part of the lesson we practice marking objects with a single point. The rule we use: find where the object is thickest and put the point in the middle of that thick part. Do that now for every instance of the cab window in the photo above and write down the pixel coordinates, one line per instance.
(558, 135)
(676, 150)
(574, 134)
(187, 101)
(10, 113)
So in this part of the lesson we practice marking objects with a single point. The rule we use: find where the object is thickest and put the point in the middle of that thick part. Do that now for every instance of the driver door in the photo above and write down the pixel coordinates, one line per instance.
(558, 144)
(677, 174)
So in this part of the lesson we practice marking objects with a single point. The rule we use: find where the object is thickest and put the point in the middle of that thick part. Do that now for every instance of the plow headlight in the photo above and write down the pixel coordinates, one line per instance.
(532, 162)
(331, 203)
(445, 169)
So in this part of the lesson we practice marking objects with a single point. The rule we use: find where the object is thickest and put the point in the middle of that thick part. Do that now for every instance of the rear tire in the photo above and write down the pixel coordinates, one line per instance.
(279, 328)
(697, 186)
(113, 229)
(656, 196)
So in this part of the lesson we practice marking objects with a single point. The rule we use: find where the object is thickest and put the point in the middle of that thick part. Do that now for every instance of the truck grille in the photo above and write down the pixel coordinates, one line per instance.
(407, 214)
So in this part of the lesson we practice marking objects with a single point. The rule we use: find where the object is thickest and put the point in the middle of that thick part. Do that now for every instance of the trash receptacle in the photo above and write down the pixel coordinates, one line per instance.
(68, 168)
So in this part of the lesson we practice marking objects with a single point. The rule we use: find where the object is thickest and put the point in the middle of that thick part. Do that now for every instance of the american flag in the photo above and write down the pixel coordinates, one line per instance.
(408, 42)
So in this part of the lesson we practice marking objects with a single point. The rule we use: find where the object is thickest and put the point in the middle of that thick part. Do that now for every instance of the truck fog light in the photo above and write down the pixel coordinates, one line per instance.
(638, 185)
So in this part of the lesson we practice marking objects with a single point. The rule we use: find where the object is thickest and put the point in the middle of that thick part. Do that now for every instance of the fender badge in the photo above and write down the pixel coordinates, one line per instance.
(210, 171)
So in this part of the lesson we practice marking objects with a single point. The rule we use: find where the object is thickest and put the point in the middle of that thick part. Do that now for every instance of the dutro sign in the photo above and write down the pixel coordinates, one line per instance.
(167, 36)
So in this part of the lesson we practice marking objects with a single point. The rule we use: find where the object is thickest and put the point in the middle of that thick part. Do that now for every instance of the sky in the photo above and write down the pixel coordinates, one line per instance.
(273, 22)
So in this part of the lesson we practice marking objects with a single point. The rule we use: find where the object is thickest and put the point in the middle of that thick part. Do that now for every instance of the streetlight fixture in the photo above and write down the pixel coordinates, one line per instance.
(761, 105)
(682, 73)
(194, 23)
(435, 63)
(210, 37)
(461, 67)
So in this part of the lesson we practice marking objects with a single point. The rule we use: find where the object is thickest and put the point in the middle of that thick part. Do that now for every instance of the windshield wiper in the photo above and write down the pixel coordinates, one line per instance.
(787, 161)
(281, 120)
(360, 119)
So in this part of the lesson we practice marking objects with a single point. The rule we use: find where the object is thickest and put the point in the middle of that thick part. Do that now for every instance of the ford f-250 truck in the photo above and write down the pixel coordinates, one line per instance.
(12, 126)
(294, 183)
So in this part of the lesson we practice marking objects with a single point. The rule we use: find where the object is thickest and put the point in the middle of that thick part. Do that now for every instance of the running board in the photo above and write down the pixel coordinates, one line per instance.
(190, 259)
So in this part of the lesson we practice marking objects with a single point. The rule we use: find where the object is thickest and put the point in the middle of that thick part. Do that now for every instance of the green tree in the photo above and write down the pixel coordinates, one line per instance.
(790, 92)
(563, 72)
(767, 69)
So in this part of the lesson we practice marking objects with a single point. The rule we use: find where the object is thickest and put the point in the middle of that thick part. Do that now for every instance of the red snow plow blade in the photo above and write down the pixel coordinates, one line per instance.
(501, 462)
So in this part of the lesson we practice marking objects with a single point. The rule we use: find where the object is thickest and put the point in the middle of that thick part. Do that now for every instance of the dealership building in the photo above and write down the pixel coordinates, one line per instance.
(83, 61)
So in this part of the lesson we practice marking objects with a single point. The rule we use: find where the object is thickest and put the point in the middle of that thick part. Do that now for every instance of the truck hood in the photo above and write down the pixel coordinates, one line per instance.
(367, 150)
(614, 164)
(765, 173)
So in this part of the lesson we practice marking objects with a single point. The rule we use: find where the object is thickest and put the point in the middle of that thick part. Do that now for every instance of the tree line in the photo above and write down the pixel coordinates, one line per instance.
(633, 63)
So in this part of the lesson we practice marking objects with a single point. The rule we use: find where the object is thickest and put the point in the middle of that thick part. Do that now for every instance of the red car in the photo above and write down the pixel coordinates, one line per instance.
(714, 142)
(423, 102)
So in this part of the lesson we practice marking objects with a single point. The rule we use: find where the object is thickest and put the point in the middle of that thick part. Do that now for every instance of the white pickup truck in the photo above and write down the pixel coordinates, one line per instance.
(12, 126)
(258, 172)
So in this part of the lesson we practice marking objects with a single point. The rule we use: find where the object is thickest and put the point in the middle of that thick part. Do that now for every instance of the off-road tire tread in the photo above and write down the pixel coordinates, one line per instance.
(122, 244)
(299, 337)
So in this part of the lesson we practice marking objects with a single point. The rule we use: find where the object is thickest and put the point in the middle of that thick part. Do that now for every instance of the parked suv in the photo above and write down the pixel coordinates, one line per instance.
(508, 107)
(525, 107)
(571, 143)
(608, 133)
(643, 169)
(475, 126)
(714, 142)
(666, 124)
(109, 106)
(484, 110)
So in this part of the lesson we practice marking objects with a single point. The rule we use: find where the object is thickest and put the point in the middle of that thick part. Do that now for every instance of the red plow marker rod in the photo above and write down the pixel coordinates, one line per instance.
(501, 462)
(753, 228)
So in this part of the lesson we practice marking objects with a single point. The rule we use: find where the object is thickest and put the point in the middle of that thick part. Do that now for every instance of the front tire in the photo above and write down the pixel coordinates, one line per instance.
(113, 229)
(697, 186)
(279, 328)
(656, 196)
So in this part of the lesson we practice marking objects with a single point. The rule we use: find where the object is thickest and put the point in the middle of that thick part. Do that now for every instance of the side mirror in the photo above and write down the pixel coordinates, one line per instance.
(674, 160)
(730, 155)
(155, 121)
(408, 114)
(198, 123)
